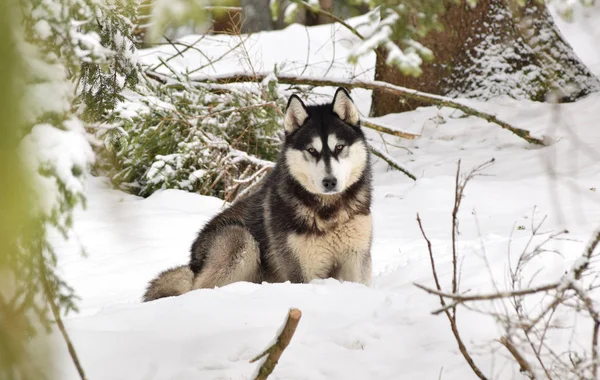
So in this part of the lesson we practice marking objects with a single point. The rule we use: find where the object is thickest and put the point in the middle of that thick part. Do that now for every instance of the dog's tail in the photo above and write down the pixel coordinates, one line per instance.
(169, 283)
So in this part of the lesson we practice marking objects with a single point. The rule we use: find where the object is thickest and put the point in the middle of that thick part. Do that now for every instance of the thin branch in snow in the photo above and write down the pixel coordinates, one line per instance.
(391, 161)
(458, 190)
(595, 349)
(451, 318)
(329, 15)
(459, 298)
(50, 297)
(273, 352)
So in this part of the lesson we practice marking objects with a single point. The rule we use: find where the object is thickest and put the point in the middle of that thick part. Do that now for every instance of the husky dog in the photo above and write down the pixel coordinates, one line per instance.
(310, 218)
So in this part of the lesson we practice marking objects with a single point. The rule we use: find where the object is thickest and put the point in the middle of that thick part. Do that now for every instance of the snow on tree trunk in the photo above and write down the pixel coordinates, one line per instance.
(495, 49)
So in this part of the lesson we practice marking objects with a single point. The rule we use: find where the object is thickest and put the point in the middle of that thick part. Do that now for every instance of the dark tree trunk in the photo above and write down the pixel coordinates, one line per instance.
(256, 16)
(319, 19)
(494, 49)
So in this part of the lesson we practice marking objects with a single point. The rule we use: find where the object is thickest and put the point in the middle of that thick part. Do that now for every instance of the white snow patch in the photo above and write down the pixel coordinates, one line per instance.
(348, 331)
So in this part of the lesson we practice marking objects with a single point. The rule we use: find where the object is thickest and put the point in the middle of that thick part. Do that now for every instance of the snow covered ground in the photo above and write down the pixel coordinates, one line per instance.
(348, 331)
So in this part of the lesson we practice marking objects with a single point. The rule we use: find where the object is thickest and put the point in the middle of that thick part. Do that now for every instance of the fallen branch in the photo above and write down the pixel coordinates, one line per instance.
(387, 158)
(357, 83)
(389, 131)
(274, 352)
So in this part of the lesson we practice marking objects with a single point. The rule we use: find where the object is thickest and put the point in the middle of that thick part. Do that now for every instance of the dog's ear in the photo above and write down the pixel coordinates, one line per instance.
(295, 114)
(344, 107)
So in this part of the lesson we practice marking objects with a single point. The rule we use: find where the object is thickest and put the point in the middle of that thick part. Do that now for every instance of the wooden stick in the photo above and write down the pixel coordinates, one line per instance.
(274, 352)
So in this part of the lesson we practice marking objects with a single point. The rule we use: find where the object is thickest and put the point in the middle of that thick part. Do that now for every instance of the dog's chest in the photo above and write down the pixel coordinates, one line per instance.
(320, 254)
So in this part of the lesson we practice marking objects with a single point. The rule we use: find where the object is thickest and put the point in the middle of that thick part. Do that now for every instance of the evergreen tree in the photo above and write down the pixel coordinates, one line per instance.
(64, 63)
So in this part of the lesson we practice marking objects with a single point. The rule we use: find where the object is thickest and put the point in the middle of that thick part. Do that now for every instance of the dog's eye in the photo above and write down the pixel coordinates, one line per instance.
(312, 151)
(339, 147)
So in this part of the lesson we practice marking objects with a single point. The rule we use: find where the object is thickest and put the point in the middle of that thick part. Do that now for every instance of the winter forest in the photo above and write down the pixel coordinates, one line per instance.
(128, 124)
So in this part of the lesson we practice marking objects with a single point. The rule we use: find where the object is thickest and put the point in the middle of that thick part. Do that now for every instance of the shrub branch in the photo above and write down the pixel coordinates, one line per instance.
(451, 317)
(526, 328)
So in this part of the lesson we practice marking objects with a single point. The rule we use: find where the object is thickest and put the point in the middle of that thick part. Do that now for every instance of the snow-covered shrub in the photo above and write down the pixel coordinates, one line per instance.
(79, 56)
(200, 139)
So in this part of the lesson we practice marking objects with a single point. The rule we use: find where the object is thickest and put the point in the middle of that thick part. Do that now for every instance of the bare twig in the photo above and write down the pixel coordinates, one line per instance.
(451, 319)
(180, 52)
(458, 298)
(211, 62)
(399, 91)
(331, 16)
(274, 352)
(568, 280)
(50, 297)
(457, 200)
(595, 349)
(524, 366)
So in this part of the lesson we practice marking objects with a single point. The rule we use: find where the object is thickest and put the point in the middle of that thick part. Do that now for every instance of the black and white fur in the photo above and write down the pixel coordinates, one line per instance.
(310, 219)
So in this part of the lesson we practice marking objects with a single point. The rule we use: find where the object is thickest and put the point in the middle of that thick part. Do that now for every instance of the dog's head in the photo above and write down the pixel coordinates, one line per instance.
(325, 149)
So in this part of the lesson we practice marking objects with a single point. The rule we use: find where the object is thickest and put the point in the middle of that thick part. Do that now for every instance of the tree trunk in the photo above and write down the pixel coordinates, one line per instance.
(256, 16)
(494, 49)
(313, 19)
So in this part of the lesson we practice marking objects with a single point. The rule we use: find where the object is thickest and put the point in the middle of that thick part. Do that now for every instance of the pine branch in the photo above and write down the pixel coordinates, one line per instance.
(399, 91)
(274, 352)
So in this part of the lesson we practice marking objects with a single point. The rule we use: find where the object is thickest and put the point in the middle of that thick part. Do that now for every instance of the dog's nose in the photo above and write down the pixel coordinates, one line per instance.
(329, 183)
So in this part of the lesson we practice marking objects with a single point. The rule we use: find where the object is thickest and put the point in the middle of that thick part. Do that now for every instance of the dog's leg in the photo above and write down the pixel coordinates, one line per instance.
(356, 267)
(231, 254)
